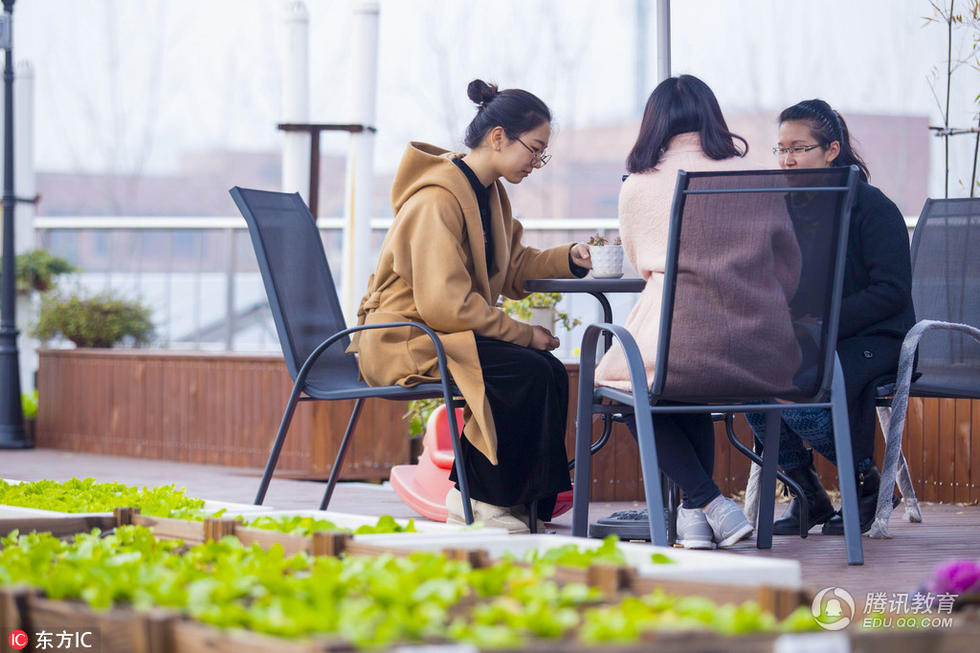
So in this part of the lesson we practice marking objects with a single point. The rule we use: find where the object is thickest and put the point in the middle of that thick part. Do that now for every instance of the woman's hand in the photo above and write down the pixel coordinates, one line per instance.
(542, 339)
(581, 257)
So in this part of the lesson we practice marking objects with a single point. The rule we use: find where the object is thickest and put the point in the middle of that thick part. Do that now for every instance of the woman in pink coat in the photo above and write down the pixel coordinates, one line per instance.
(683, 129)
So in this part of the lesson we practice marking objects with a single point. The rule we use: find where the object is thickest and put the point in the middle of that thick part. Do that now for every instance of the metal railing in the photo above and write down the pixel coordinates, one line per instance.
(200, 278)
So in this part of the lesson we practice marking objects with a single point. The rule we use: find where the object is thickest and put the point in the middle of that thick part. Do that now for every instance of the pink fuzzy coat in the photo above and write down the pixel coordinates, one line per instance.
(749, 353)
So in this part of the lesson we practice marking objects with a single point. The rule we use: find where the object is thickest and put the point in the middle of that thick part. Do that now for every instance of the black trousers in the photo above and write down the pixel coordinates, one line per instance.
(686, 453)
(864, 359)
(528, 394)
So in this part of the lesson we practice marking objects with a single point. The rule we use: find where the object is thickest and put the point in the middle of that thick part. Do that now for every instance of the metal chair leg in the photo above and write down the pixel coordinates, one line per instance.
(902, 477)
(767, 490)
(341, 454)
(845, 468)
(607, 422)
(651, 474)
(270, 465)
(673, 502)
(532, 516)
(752, 455)
(583, 465)
(461, 480)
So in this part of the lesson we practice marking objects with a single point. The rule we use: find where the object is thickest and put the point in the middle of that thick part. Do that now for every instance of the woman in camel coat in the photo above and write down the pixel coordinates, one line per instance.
(453, 250)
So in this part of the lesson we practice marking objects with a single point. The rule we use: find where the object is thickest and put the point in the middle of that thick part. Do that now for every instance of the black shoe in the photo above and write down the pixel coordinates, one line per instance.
(819, 507)
(867, 492)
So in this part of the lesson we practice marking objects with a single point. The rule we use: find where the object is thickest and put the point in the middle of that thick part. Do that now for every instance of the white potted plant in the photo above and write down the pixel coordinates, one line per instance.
(607, 260)
(539, 308)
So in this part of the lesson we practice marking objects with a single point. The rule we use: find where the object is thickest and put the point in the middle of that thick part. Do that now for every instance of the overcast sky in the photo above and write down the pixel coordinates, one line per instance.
(128, 85)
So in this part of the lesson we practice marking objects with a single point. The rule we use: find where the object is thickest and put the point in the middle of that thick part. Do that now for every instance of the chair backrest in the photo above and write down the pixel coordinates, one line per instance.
(298, 283)
(946, 287)
(752, 284)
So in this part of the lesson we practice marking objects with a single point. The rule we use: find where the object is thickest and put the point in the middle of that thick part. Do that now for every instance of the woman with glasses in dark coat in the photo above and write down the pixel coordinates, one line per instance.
(876, 313)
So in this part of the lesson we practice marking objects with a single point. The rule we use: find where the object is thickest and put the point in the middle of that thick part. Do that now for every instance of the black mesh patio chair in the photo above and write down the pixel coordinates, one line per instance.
(708, 340)
(312, 331)
(946, 294)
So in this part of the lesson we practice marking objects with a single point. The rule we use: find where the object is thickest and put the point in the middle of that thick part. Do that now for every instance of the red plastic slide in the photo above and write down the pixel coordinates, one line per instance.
(423, 487)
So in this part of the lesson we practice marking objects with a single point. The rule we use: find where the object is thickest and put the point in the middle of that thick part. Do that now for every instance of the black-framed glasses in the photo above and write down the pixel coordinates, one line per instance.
(539, 159)
(796, 149)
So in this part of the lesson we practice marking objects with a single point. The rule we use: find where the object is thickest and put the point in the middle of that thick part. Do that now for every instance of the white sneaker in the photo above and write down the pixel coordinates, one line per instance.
(492, 516)
(727, 521)
(693, 529)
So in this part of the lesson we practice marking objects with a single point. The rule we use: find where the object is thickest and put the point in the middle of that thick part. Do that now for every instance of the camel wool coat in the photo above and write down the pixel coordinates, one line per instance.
(433, 269)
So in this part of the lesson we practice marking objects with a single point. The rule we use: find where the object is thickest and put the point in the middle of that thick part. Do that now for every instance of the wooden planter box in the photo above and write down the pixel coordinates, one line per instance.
(122, 630)
(219, 409)
(224, 409)
(119, 630)
(194, 637)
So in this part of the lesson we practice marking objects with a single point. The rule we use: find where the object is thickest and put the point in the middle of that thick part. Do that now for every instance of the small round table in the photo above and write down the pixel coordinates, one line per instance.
(631, 524)
(595, 287)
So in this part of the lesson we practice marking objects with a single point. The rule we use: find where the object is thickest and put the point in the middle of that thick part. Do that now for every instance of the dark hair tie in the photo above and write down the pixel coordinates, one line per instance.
(516, 110)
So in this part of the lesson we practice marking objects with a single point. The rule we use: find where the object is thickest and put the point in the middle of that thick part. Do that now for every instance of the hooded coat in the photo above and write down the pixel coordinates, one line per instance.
(433, 269)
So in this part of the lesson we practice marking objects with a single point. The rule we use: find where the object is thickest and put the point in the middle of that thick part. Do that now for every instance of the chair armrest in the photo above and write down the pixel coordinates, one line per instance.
(910, 346)
(323, 346)
(893, 446)
(590, 341)
(906, 359)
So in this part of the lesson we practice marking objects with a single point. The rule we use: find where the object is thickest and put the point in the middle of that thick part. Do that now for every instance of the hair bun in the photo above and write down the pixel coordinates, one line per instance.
(480, 92)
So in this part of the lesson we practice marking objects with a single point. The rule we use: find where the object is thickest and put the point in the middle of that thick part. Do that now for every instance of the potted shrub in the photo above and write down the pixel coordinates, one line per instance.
(100, 320)
(607, 260)
(540, 308)
(37, 270)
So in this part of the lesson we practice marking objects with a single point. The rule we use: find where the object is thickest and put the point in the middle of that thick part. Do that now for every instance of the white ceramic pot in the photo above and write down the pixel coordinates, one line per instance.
(543, 317)
(607, 261)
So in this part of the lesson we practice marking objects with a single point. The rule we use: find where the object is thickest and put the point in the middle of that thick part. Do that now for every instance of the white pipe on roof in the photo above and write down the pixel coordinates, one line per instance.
(663, 40)
(296, 98)
(357, 259)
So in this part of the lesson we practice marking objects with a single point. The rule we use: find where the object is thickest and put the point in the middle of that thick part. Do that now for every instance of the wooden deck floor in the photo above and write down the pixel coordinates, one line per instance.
(896, 565)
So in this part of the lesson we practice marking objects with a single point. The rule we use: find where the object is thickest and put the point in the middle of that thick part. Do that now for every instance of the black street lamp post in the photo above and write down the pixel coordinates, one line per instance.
(12, 435)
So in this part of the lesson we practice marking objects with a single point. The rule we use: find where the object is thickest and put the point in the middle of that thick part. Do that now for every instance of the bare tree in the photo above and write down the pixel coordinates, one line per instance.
(966, 55)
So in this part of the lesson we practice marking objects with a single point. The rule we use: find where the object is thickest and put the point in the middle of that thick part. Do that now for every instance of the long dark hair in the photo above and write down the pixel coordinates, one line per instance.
(516, 110)
(827, 126)
(678, 105)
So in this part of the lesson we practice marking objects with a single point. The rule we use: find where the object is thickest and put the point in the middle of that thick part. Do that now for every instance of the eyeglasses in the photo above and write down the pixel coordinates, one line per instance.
(797, 149)
(539, 159)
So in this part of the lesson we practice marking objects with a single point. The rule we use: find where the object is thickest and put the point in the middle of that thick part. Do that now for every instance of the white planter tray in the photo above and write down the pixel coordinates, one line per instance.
(425, 527)
(702, 566)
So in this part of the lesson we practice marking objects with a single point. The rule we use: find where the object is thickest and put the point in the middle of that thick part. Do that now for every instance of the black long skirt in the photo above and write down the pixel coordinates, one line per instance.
(528, 394)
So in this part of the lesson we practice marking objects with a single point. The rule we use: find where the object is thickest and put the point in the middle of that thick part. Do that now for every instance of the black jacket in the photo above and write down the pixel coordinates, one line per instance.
(877, 290)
